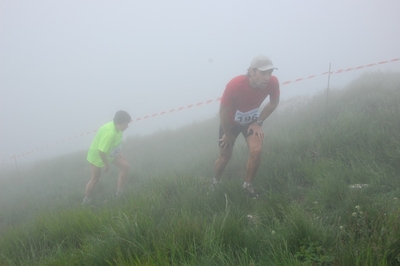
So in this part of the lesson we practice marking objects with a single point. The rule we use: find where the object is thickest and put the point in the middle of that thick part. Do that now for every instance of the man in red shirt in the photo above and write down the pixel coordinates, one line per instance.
(239, 113)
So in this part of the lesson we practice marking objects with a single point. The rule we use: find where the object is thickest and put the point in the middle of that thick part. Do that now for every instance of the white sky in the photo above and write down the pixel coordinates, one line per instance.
(67, 66)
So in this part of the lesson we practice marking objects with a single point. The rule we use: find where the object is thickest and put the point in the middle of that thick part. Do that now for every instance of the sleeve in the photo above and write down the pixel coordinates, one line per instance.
(228, 95)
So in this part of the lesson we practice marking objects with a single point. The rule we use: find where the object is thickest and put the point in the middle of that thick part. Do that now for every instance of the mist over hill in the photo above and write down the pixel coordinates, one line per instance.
(315, 149)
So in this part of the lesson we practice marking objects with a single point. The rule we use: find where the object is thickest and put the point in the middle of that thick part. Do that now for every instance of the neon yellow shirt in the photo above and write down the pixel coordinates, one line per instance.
(107, 140)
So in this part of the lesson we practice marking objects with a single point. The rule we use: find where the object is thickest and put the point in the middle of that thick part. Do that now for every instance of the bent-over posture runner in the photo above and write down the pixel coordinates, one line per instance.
(106, 148)
(239, 113)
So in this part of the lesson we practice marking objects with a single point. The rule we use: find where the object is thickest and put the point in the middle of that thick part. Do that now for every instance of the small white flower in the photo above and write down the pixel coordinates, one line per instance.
(358, 207)
(273, 232)
(341, 227)
(354, 214)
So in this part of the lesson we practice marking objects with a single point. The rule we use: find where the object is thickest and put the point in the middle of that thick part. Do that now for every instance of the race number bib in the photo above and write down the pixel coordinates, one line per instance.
(115, 151)
(247, 117)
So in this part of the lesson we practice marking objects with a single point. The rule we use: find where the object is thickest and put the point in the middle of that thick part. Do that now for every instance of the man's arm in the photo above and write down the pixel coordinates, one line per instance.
(269, 108)
(103, 157)
(224, 119)
(265, 113)
(228, 138)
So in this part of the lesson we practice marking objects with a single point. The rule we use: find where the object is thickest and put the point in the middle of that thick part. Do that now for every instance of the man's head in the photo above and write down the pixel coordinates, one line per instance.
(262, 63)
(260, 71)
(121, 120)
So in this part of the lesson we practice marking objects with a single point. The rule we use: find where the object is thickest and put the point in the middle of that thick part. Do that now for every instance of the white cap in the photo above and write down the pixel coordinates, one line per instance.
(262, 63)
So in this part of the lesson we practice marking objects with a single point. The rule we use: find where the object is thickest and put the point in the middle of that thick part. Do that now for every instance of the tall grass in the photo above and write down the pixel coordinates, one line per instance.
(307, 213)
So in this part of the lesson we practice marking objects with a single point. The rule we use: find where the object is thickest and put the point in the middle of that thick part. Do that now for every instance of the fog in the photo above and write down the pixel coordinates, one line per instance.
(67, 66)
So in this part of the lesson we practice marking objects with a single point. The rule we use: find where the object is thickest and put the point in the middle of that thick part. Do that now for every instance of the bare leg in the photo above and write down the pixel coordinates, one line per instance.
(253, 163)
(123, 167)
(95, 177)
(223, 159)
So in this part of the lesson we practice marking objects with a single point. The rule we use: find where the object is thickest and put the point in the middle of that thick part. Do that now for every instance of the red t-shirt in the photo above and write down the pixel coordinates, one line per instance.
(246, 100)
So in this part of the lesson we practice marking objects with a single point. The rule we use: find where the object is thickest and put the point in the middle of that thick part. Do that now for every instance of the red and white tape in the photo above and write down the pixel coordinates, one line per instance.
(341, 71)
(175, 110)
(197, 105)
(47, 146)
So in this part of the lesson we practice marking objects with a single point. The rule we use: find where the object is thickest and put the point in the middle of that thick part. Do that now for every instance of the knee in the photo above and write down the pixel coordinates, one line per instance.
(125, 167)
(255, 153)
(95, 179)
(225, 157)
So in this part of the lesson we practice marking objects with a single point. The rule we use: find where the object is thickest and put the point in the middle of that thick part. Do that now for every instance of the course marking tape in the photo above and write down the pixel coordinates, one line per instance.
(199, 104)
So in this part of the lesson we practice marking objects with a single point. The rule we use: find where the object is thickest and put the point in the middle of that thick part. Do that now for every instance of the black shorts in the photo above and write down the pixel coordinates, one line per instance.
(236, 130)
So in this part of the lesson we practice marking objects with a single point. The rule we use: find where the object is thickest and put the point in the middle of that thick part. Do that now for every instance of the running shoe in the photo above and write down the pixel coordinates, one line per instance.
(215, 184)
(86, 201)
(249, 189)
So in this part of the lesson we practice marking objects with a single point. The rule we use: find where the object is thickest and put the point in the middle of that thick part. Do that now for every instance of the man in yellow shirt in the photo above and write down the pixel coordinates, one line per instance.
(106, 148)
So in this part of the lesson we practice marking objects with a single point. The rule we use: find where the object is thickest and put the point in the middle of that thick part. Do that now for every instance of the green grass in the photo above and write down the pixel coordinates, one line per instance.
(306, 213)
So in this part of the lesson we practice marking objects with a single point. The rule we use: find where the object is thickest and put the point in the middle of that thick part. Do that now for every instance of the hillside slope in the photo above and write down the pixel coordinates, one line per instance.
(308, 212)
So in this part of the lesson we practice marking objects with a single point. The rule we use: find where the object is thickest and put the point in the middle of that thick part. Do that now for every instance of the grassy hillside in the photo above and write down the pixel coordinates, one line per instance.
(329, 194)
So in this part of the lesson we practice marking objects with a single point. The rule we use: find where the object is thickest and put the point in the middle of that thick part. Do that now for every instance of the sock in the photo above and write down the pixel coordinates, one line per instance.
(86, 199)
(246, 185)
